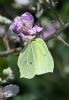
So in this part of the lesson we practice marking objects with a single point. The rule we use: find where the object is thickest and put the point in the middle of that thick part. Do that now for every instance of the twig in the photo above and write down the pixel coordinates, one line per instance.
(6, 42)
(39, 9)
(62, 40)
(58, 32)
(11, 51)
(58, 18)
(17, 50)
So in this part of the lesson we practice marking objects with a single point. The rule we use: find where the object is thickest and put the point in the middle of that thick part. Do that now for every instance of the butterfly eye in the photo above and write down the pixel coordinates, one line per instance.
(10, 90)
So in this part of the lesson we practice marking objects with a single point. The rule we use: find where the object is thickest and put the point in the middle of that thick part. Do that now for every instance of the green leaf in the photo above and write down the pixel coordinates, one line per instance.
(35, 59)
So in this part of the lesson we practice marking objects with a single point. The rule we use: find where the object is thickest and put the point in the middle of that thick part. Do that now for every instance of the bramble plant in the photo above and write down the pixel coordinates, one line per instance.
(25, 43)
(36, 58)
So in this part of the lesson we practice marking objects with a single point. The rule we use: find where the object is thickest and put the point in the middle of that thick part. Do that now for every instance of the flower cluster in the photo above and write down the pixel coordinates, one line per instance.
(24, 26)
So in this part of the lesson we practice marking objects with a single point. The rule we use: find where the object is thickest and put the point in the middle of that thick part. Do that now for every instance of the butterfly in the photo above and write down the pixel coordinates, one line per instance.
(8, 91)
(35, 59)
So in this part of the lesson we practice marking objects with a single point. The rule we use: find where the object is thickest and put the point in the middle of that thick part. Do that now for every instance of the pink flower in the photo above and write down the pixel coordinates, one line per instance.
(24, 26)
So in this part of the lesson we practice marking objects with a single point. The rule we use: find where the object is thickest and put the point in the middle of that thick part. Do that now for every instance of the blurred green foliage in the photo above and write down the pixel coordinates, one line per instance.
(49, 86)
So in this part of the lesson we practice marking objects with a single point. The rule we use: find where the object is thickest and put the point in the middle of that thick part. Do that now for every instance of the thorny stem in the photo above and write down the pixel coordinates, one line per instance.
(5, 40)
(17, 50)
(39, 9)
(59, 38)
(11, 51)
(58, 32)
(58, 18)
(55, 35)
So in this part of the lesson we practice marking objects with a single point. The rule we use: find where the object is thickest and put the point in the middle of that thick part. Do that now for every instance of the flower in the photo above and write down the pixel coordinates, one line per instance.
(24, 26)
(49, 31)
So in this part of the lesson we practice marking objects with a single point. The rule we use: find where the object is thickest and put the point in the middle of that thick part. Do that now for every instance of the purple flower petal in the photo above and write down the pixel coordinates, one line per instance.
(16, 25)
(49, 31)
(28, 18)
(24, 26)
(36, 29)
(26, 37)
(10, 90)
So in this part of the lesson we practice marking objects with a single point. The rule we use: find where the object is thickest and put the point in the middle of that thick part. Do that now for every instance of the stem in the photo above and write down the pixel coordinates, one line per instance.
(58, 32)
(55, 35)
(54, 11)
(62, 40)
(11, 51)
(5, 40)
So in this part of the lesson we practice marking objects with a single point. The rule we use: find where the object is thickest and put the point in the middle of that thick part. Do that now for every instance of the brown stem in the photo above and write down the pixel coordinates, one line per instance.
(10, 51)
(5, 40)
(58, 31)
(54, 11)
(17, 50)
(59, 38)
